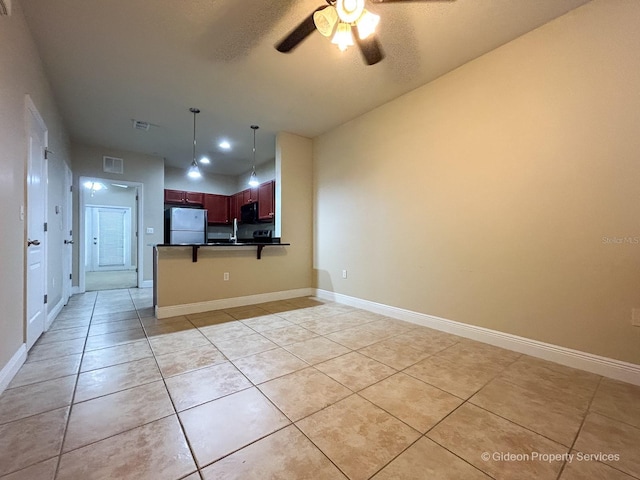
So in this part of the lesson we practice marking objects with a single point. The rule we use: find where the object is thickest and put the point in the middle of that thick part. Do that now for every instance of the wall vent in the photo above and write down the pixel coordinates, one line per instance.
(112, 165)
(5, 8)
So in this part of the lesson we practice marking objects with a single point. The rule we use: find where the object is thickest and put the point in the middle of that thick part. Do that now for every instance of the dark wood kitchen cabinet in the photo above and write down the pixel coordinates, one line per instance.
(194, 198)
(217, 207)
(180, 197)
(235, 204)
(174, 196)
(266, 201)
(250, 195)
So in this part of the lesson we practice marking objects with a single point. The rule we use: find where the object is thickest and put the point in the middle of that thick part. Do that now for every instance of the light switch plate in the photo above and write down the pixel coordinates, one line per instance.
(635, 317)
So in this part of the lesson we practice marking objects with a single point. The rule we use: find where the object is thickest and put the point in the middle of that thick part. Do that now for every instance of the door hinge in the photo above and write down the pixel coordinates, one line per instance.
(45, 299)
(45, 226)
(70, 276)
(71, 188)
(46, 154)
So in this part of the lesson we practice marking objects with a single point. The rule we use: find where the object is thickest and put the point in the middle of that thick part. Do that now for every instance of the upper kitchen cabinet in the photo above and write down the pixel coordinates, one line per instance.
(194, 198)
(266, 200)
(235, 204)
(180, 197)
(217, 207)
(174, 196)
(250, 195)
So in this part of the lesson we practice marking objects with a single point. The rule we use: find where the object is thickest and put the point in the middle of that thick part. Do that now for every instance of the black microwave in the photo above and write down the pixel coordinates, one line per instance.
(249, 213)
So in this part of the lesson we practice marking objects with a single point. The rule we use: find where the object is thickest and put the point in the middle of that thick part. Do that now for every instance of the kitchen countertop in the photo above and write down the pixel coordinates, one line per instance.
(243, 242)
(249, 242)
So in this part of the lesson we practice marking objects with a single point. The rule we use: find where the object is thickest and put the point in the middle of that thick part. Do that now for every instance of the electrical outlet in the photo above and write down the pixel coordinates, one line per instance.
(635, 317)
(344, 274)
(225, 276)
(150, 230)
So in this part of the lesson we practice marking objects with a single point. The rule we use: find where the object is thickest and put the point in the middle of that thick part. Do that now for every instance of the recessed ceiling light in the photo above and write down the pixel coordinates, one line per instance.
(225, 145)
(205, 161)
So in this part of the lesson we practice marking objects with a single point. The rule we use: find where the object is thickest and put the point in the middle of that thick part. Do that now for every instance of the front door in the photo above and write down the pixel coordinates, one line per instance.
(36, 238)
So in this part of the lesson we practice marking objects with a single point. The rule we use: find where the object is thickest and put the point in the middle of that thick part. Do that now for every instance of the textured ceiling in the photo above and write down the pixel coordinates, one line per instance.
(111, 61)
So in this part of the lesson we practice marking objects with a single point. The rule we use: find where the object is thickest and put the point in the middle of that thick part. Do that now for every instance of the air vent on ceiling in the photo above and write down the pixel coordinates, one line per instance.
(140, 125)
(112, 165)
(5, 8)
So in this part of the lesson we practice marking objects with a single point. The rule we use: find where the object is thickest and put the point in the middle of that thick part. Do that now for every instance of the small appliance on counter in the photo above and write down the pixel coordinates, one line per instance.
(262, 236)
(185, 225)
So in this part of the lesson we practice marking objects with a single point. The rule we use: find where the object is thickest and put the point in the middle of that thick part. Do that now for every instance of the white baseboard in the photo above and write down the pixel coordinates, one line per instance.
(147, 284)
(608, 367)
(52, 315)
(189, 308)
(76, 290)
(11, 368)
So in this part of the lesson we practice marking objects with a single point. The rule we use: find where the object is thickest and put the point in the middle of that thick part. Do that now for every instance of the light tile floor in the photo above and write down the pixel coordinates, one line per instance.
(299, 389)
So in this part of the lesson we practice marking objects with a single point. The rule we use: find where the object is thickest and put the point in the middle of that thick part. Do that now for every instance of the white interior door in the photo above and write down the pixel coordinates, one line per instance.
(68, 236)
(36, 218)
(109, 238)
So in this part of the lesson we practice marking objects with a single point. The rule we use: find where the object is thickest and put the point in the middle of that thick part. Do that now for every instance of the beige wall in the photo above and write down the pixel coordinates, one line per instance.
(492, 189)
(21, 73)
(180, 281)
(177, 179)
(265, 171)
(145, 169)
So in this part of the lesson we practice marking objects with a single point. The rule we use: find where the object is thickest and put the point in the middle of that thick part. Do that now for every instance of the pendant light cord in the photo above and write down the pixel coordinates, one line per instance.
(254, 128)
(194, 134)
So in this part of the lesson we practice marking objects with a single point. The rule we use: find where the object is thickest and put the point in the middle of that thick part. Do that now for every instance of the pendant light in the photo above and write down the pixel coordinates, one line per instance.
(253, 179)
(194, 170)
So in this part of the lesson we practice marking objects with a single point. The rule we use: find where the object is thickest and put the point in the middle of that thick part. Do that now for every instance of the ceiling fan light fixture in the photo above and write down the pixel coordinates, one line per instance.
(349, 10)
(343, 37)
(367, 24)
(325, 20)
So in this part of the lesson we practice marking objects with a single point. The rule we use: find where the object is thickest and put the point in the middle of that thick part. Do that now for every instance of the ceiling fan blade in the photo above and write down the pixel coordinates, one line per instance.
(369, 47)
(298, 34)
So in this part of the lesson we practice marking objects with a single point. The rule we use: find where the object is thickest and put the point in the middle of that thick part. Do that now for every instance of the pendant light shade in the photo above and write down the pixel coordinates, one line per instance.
(253, 179)
(194, 170)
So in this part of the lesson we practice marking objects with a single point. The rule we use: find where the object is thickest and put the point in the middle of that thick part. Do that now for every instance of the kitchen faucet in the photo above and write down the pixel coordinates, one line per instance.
(234, 235)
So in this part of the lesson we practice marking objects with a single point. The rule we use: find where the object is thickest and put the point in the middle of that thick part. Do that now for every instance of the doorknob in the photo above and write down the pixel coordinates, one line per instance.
(33, 242)
(68, 242)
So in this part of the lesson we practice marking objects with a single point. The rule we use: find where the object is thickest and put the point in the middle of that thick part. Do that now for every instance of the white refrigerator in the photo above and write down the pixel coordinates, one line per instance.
(185, 225)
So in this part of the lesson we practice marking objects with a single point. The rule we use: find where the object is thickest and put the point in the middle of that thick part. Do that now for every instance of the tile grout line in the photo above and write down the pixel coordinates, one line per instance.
(173, 405)
(584, 419)
(73, 395)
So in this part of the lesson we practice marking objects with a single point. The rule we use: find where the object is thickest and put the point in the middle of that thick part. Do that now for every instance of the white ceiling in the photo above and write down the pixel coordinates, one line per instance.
(111, 61)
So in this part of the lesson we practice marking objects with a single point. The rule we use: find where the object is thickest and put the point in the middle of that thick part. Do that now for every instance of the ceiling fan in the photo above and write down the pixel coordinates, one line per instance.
(347, 21)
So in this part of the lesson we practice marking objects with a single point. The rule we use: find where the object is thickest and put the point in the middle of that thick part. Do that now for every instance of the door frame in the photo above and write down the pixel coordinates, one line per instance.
(67, 261)
(85, 201)
(32, 111)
